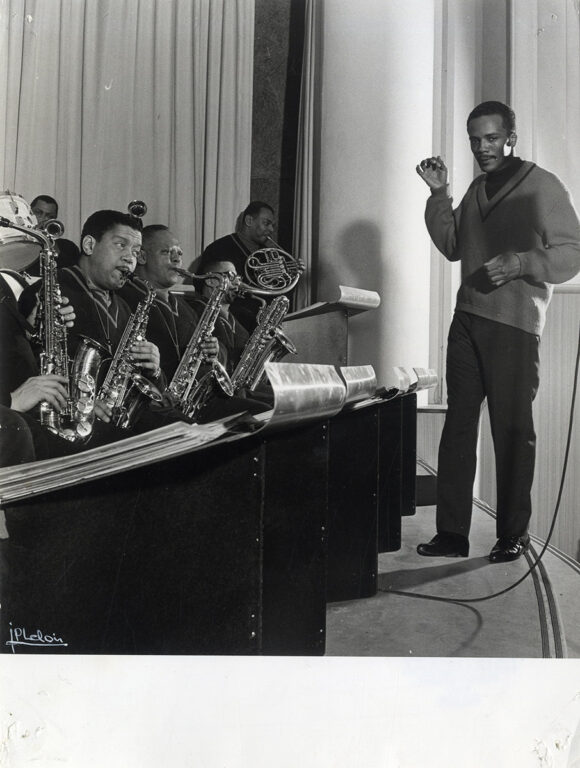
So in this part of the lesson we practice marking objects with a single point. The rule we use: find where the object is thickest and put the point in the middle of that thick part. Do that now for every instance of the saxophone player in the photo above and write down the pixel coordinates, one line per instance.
(230, 332)
(233, 338)
(110, 244)
(22, 388)
(171, 320)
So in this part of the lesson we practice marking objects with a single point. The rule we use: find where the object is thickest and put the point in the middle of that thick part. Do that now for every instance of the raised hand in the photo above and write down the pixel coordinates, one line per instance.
(433, 171)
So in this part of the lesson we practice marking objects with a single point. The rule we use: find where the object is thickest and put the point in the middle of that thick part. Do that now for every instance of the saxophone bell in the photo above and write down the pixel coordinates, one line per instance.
(268, 343)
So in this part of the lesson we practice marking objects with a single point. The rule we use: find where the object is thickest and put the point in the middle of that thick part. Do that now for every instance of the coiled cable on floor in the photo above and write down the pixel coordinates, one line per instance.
(552, 525)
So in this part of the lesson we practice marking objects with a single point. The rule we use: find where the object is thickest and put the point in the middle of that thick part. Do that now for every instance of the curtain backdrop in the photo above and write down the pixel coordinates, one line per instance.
(306, 196)
(106, 101)
(545, 85)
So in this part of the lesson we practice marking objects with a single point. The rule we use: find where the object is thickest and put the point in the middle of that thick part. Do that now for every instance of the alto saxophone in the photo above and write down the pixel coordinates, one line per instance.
(124, 389)
(75, 421)
(189, 394)
(266, 344)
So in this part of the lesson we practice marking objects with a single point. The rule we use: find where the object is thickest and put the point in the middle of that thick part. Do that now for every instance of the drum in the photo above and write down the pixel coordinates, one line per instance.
(17, 250)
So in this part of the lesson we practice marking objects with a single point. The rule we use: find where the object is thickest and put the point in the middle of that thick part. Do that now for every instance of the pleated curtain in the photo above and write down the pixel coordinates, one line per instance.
(106, 101)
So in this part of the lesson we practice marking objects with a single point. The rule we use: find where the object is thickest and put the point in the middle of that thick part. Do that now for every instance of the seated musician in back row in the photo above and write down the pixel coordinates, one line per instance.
(45, 208)
(231, 334)
(254, 230)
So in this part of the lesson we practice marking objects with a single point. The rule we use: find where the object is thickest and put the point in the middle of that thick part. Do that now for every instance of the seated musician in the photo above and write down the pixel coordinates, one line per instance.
(231, 334)
(22, 388)
(172, 320)
(45, 208)
(254, 228)
(110, 244)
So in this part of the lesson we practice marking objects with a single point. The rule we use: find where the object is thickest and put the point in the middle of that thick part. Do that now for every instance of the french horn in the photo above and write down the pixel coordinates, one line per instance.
(272, 269)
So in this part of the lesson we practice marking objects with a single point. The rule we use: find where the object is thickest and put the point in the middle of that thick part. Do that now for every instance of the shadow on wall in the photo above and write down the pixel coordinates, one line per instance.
(357, 261)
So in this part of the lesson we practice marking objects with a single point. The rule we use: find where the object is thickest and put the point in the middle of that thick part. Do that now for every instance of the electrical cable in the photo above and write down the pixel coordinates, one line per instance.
(552, 526)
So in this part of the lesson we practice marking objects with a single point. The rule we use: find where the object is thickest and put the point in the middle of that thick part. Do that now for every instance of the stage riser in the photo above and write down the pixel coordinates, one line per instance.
(353, 505)
(234, 549)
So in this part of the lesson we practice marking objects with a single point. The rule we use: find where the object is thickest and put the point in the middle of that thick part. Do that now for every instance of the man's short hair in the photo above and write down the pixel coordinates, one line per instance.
(254, 208)
(150, 231)
(495, 108)
(101, 222)
(213, 261)
(45, 199)
(206, 267)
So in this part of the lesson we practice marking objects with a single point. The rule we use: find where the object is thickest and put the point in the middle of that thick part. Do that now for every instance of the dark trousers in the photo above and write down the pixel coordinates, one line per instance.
(486, 359)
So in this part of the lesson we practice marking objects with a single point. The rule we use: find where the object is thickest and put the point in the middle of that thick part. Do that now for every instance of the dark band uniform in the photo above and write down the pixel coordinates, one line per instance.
(171, 323)
(100, 315)
(22, 438)
(230, 333)
(232, 248)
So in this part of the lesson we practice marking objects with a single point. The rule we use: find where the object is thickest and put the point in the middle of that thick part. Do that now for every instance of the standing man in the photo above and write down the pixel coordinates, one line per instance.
(515, 233)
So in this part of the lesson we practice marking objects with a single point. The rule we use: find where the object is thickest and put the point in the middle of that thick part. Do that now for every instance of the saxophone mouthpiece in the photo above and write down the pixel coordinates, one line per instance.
(183, 272)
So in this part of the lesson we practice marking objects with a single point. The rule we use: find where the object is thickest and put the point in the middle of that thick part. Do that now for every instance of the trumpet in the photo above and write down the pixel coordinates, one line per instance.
(53, 228)
(137, 208)
(272, 269)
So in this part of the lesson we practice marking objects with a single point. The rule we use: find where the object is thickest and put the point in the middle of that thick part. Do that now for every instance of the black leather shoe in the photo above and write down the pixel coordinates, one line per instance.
(445, 545)
(509, 549)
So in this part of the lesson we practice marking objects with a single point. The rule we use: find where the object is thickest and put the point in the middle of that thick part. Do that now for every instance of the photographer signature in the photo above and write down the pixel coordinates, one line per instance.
(19, 636)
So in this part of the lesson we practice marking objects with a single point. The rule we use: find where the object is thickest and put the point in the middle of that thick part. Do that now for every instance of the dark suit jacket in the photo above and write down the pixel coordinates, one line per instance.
(17, 358)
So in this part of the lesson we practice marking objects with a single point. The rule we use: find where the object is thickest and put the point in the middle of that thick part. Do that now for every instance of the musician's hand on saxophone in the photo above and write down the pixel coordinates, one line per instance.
(103, 411)
(67, 312)
(30, 303)
(39, 389)
(146, 355)
(210, 348)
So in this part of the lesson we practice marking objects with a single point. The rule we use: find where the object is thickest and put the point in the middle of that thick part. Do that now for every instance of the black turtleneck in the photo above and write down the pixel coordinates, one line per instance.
(495, 180)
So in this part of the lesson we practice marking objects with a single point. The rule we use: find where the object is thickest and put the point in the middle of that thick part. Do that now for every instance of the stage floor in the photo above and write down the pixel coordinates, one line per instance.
(537, 619)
